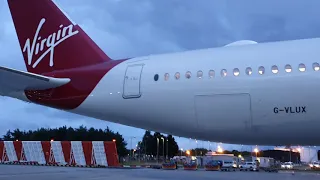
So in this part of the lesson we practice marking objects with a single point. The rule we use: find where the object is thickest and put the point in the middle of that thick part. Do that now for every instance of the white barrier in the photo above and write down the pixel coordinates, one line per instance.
(67, 153)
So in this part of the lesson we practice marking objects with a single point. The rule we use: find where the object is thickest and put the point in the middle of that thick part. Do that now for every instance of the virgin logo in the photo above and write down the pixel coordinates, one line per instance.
(53, 40)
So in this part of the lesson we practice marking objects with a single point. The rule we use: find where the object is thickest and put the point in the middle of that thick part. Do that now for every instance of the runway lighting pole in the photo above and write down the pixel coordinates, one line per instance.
(197, 148)
(162, 147)
(157, 150)
(131, 146)
(299, 151)
(167, 154)
(138, 149)
(290, 154)
(145, 149)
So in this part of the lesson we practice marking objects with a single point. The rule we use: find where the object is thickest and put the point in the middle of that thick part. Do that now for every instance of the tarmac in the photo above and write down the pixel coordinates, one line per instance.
(17, 172)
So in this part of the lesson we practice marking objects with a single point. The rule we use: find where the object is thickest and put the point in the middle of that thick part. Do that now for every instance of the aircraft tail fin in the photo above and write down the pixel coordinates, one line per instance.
(50, 40)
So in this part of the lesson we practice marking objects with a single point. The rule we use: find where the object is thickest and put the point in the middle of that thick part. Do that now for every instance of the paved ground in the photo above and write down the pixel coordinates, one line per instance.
(13, 172)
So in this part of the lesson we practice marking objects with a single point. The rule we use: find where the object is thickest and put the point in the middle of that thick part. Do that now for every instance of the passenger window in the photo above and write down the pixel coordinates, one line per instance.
(236, 72)
(261, 70)
(177, 75)
(302, 67)
(166, 76)
(223, 72)
(316, 66)
(248, 71)
(288, 68)
(274, 69)
(188, 75)
(156, 77)
(211, 73)
(199, 74)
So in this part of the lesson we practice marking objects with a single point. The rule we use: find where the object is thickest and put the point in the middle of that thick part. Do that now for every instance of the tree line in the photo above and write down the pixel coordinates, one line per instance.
(158, 145)
(69, 134)
(147, 145)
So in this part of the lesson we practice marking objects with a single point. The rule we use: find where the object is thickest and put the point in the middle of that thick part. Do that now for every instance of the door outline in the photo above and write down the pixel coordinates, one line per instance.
(124, 82)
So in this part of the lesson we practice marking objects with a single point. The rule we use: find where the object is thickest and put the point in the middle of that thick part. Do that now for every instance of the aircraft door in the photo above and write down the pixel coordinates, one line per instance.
(132, 78)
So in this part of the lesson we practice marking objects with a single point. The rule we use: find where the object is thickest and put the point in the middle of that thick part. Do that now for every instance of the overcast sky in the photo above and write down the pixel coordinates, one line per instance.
(130, 28)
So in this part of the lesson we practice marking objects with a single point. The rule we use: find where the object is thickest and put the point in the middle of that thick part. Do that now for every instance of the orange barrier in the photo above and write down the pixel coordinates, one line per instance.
(169, 166)
(212, 168)
(190, 167)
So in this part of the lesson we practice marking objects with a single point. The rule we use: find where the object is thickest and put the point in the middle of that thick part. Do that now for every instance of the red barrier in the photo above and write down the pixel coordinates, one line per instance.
(1, 151)
(66, 149)
(111, 153)
(46, 147)
(18, 147)
(88, 152)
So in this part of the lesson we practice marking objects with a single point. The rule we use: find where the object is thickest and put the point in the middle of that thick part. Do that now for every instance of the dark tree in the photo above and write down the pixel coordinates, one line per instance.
(165, 146)
(145, 145)
(199, 151)
(173, 148)
(69, 134)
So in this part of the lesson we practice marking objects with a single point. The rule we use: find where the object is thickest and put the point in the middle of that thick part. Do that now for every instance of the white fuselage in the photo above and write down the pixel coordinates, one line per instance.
(243, 109)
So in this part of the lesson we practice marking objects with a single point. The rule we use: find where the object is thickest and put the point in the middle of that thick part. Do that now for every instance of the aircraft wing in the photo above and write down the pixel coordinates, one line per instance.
(12, 80)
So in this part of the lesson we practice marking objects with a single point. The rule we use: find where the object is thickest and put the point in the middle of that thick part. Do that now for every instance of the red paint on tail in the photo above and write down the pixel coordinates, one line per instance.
(53, 45)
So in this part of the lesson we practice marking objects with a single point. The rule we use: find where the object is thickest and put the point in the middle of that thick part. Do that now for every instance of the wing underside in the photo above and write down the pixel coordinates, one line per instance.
(12, 80)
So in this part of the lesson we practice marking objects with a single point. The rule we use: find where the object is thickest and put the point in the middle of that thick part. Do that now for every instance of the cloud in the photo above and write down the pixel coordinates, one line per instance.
(137, 28)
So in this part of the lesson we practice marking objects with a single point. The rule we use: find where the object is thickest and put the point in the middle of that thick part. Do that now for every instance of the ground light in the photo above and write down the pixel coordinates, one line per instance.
(219, 150)
(256, 150)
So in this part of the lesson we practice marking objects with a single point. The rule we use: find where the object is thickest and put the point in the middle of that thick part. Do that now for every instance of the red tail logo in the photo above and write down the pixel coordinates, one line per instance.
(53, 40)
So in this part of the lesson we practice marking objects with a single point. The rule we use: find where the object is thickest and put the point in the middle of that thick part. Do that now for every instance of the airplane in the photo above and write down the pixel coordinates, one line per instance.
(242, 93)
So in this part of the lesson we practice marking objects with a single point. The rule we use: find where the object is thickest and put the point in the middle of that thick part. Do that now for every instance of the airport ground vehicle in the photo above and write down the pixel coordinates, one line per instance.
(229, 166)
(315, 165)
(287, 165)
(249, 166)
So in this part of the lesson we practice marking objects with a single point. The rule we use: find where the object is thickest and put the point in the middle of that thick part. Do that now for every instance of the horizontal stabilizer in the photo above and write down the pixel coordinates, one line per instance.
(12, 80)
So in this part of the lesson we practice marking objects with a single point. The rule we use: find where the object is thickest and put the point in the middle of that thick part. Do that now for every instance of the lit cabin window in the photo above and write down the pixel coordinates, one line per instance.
(211, 73)
(177, 75)
(166, 76)
(223, 72)
(316, 66)
(288, 68)
(188, 75)
(302, 67)
(248, 71)
(236, 72)
(274, 69)
(261, 70)
(199, 74)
